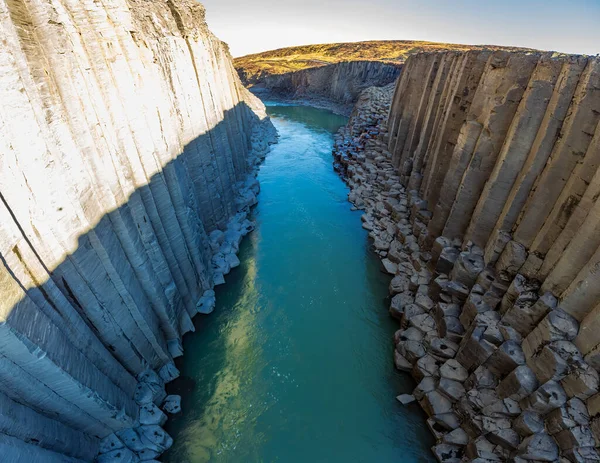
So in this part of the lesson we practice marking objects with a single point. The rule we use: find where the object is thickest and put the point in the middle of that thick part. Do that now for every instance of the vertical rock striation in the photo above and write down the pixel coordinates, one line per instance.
(481, 194)
(127, 159)
(335, 85)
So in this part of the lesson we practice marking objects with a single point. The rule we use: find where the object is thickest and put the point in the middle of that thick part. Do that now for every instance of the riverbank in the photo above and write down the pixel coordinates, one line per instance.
(313, 102)
(363, 161)
(292, 365)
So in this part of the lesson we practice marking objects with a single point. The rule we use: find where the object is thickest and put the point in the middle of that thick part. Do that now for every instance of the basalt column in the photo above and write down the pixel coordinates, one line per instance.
(498, 155)
(127, 155)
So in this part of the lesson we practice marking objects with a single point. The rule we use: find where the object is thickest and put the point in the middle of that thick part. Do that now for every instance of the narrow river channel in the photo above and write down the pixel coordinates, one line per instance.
(295, 363)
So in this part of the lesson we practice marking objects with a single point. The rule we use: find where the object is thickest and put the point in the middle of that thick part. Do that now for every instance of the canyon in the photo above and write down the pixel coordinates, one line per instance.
(129, 159)
(332, 76)
(129, 151)
(479, 178)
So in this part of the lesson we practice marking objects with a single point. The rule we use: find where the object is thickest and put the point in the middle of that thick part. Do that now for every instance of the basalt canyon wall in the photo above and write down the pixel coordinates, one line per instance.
(339, 83)
(128, 151)
(481, 188)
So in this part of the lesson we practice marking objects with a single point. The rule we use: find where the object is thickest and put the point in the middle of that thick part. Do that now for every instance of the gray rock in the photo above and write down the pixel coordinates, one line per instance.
(434, 403)
(389, 266)
(399, 302)
(512, 258)
(518, 384)
(582, 455)
(399, 284)
(453, 390)
(549, 396)
(446, 260)
(110, 443)
(206, 304)
(123, 455)
(467, 267)
(453, 370)
(405, 399)
(447, 453)
(506, 438)
(540, 447)
(556, 326)
(481, 378)
(426, 366)
(151, 414)
(573, 413)
(456, 437)
(131, 439)
(505, 359)
(401, 363)
(581, 382)
(427, 384)
(443, 348)
(529, 423)
(579, 436)
(423, 322)
(172, 404)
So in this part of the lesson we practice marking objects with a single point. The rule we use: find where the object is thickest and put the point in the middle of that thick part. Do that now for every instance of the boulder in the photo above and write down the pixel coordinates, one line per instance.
(556, 326)
(505, 359)
(447, 453)
(401, 363)
(505, 438)
(123, 455)
(155, 438)
(172, 404)
(453, 370)
(405, 399)
(581, 382)
(528, 423)
(151, 414)
(512, 258)
(467, 267)
(579, 436)
(573, 413)
(453, 390)
(549, 396)
(443, 348)
(399, 284)
(389, 266)
(435, 403)
(206, 304)
(110, 443)
(518, 384)
(540, 447)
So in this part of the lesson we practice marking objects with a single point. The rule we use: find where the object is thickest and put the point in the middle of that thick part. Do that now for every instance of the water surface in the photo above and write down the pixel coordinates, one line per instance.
(295, 364)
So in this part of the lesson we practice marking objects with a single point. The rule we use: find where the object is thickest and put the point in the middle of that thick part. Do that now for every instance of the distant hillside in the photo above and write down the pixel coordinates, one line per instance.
(252, 68)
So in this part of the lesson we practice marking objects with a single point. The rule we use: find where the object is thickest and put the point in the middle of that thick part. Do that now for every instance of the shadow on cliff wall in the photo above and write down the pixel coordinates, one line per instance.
(118, 303)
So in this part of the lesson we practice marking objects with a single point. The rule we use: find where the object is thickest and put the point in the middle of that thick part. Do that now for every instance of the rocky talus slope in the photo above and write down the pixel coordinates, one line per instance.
(128, 152)
(481, 191)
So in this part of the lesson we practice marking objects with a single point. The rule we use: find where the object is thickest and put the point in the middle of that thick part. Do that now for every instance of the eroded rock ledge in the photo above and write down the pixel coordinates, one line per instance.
(481, 188)
(128, 155)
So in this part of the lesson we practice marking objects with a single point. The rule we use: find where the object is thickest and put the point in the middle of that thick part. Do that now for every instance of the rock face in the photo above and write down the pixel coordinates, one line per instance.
(482, 188)
(339, 83)
(128, 151)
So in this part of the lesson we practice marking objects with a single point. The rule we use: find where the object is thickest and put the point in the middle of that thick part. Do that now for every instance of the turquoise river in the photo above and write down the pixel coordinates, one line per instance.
(295, 363)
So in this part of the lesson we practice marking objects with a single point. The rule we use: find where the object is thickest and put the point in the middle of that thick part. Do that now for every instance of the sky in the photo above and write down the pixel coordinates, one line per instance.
(252, 26)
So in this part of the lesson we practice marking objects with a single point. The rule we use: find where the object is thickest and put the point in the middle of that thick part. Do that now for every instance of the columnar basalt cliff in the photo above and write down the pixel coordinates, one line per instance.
(336, 85)
(128, 152)
(481, 191)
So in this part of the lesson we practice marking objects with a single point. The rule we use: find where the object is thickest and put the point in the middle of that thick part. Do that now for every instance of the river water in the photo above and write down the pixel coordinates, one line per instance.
(295, 364)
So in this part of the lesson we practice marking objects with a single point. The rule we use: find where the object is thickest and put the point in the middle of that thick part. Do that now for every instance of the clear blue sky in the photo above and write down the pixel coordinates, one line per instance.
(250, 26)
